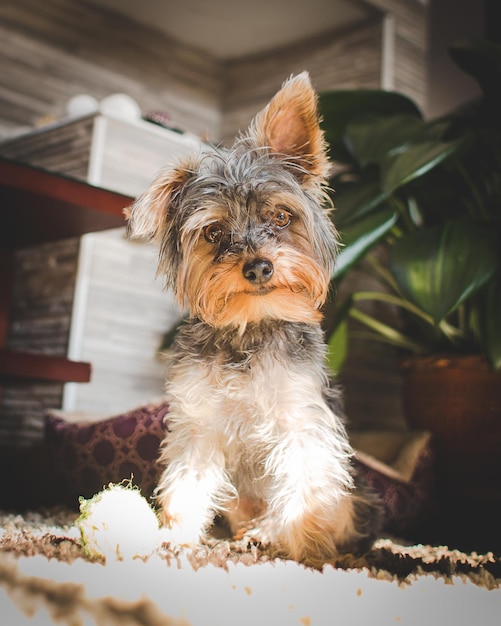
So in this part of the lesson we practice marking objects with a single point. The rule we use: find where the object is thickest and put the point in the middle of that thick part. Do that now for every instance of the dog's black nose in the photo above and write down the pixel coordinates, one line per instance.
(258, 271)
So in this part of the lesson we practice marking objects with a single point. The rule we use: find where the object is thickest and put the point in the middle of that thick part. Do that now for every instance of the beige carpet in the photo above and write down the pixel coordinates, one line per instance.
(46, 578)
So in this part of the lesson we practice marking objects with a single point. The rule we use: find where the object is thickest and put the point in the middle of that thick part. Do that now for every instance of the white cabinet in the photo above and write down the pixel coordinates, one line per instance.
(121, 313)
(118, 154)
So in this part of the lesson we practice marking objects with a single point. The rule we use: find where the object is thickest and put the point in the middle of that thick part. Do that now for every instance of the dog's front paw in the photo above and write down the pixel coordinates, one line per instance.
(258, 530)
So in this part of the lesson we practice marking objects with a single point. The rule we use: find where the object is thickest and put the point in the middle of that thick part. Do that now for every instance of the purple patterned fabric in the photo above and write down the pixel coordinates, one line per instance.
(405, 503)
(88, 455)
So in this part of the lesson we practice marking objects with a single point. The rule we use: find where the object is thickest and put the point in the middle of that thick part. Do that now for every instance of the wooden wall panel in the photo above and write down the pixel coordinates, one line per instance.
(55, 49)
(341, 60)
(410, 46)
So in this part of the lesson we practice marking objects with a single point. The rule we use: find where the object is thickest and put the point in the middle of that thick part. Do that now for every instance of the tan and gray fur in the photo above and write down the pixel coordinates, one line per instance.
(256, 430)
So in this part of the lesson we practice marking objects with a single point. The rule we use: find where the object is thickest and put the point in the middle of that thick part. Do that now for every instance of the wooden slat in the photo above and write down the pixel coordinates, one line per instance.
(55, 187)
(63, 148)
(41, 367)
(42, 297)
(38, 206)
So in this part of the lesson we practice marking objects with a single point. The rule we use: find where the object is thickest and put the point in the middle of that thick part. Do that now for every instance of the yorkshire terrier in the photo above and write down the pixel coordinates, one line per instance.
(255, 427)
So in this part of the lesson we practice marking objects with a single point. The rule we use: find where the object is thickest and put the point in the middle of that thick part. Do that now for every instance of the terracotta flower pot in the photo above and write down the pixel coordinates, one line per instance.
(458, 399)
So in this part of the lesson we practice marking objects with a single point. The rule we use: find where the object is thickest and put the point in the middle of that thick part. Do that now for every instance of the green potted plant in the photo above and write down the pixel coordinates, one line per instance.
(429, 191)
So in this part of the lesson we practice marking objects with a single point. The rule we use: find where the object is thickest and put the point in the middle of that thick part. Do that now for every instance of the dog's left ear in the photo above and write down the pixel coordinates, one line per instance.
(150, 215)
(289, 125)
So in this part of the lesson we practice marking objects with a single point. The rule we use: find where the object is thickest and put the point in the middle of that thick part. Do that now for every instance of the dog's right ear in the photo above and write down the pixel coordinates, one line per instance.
(289, 125)
(148, 217)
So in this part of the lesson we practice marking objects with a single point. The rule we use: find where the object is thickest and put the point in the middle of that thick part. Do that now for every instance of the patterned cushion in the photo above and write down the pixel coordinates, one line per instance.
(406, 486)
(88, 455)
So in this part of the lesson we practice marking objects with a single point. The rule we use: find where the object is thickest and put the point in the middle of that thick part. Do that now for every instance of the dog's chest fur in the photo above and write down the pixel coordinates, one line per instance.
(246, 392)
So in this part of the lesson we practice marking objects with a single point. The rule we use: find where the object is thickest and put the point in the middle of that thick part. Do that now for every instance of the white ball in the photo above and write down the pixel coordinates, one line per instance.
(120, 105)
(118, 523)
(83, 104)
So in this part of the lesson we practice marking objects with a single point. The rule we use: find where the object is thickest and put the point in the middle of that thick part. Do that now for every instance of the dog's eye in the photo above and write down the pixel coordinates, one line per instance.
(281, 218)
(213, 233)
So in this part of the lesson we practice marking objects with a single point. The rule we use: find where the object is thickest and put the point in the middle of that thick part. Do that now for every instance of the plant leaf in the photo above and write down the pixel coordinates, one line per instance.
(371, 140)
(361, 236)
(354, 200)
(338, 108)
(490, 322)
(402, 168)
(439, 268)
(337, 347)
(384, 332)
(337, 335)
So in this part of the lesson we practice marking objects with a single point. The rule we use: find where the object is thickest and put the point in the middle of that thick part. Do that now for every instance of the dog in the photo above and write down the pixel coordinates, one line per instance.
(255, 427)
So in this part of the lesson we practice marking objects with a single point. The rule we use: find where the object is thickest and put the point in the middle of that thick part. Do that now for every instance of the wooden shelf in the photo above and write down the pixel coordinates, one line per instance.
(38, 206)
(31, 366)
